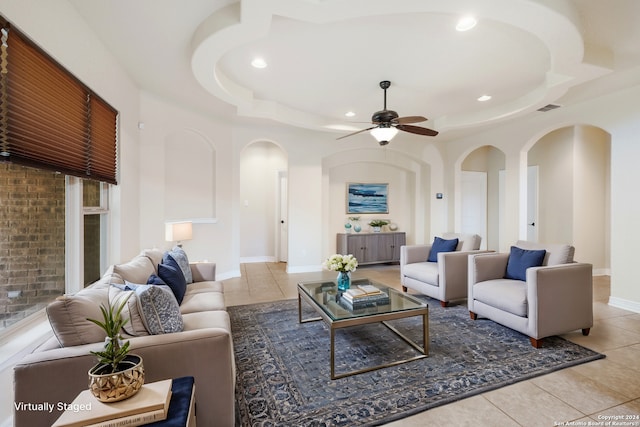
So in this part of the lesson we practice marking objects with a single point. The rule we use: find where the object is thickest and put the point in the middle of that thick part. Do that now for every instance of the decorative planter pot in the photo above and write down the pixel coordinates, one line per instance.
(113, 387)
(377, 229)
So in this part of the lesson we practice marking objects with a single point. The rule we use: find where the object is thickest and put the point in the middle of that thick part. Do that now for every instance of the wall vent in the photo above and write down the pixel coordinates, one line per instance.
(548, 107)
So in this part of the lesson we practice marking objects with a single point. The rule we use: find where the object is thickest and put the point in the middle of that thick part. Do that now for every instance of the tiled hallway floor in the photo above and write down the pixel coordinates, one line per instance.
(582, 394)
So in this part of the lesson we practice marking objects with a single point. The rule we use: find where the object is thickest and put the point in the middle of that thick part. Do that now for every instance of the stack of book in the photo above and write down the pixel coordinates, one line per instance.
(148, 405)
(362, 296)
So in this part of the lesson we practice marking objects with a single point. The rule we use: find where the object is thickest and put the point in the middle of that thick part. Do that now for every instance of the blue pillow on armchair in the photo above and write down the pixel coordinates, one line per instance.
(441, 245)
(520, 260)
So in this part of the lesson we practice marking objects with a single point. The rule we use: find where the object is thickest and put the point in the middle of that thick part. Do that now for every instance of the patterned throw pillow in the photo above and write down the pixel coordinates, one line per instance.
(180, 256)
(159, 309)
(135, 325)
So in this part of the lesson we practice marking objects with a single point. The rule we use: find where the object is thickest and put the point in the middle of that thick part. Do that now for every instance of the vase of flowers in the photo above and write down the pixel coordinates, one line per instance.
(344, 265)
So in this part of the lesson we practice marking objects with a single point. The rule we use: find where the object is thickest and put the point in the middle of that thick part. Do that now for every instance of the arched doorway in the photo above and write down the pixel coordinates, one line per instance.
(482, 195)
(263, 189)
(572, 168)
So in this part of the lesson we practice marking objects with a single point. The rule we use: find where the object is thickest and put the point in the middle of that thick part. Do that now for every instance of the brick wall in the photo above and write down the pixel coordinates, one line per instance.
(32, 233)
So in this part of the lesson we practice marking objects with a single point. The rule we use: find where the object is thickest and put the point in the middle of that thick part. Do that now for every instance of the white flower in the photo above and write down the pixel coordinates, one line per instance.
(337, 262)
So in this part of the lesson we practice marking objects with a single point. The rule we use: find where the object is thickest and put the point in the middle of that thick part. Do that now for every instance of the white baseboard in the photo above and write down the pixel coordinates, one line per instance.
(624, 304)
(250, 259)
(228, 275)
(602, 272)
(304, 269)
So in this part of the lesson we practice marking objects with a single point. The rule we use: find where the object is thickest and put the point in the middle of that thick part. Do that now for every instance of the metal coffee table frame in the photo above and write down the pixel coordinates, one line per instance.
(384, 317)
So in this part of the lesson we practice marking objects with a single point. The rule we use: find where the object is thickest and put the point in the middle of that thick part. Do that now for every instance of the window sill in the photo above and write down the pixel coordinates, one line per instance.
(23, 339)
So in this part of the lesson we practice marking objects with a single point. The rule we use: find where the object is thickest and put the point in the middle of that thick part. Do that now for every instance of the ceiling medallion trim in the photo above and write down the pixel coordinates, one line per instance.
(249, 20)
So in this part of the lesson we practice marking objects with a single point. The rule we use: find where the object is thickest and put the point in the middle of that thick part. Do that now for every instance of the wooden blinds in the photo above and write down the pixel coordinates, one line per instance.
(48, 118)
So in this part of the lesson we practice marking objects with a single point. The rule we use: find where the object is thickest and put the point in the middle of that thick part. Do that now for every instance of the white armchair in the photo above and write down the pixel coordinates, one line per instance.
(444, 280)
(556, 297)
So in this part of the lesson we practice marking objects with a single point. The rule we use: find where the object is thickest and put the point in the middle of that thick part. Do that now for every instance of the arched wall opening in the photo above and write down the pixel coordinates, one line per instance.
(263, 165)
(572, 168)
(481, 207)
(409, 205)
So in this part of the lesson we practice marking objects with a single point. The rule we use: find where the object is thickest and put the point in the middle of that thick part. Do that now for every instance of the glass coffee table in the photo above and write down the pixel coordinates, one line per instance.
(327, 301)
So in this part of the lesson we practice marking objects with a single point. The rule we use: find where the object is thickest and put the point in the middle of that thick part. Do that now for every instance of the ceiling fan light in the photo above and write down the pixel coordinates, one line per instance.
(383, 133)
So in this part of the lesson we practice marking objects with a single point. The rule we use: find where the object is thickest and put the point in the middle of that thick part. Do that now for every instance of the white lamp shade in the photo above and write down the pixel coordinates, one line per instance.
(383, 134)
(178, 231)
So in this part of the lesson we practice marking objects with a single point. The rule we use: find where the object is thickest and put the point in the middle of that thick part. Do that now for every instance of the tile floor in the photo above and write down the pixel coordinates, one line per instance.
(588, 394)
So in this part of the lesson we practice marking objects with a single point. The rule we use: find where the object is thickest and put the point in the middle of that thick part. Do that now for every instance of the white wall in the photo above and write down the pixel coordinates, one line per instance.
(618, 114)
(213, 238)
(591, 196)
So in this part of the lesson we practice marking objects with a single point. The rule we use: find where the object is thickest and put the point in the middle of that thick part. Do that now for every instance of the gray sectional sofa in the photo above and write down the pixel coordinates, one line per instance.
(57, 370)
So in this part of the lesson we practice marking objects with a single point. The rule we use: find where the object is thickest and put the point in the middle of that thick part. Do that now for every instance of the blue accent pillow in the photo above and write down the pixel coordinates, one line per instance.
(172, 275)
(520, 260)
(155, 280)
(441, 245)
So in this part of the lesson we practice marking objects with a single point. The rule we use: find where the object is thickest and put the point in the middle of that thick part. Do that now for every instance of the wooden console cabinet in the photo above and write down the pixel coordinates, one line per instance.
(371, 248)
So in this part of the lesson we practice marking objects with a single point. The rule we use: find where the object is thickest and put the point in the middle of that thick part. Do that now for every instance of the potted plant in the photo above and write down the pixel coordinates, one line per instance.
(377, 224)
(118, 374)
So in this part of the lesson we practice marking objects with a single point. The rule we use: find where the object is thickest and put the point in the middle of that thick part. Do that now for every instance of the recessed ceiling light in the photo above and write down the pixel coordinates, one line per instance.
(349, 114)
(466, 23)
(484, 98)
(259, 63)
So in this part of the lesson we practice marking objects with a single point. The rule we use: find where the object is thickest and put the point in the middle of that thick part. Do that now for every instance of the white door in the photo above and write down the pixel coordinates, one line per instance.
(474, 205)
(283, 235)
(532, 204)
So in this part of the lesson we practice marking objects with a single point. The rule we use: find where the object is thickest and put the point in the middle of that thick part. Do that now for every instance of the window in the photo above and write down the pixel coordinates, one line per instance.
(32, 237)
(95, 217)
(48, 118)
(58, 151)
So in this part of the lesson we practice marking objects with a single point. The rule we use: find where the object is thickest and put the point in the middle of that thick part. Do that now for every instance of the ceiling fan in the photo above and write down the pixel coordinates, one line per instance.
(387, 123)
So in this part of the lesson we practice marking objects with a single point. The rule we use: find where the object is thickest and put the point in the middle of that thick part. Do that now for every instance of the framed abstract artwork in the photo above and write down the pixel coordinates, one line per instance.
(367, 198)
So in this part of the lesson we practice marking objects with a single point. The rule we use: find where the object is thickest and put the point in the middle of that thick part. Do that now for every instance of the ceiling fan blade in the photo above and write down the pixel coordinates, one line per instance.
(418, 130)
(355, 133)
(409, 119)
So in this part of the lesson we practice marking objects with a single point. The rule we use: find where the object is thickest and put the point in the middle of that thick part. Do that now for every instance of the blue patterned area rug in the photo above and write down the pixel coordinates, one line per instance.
(283, 372)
